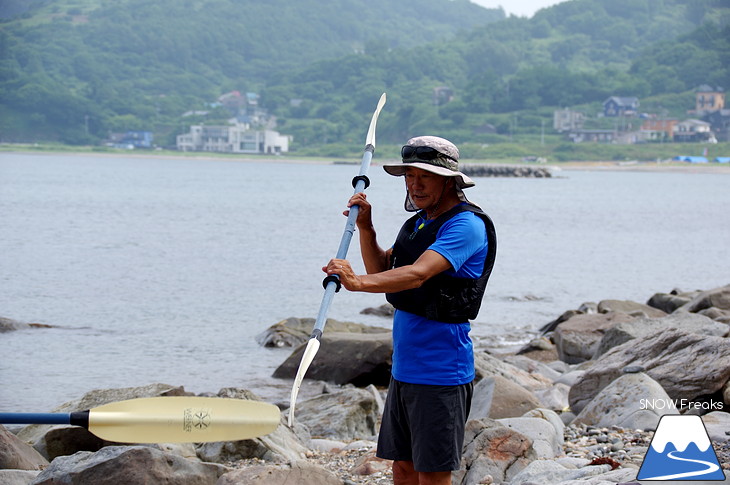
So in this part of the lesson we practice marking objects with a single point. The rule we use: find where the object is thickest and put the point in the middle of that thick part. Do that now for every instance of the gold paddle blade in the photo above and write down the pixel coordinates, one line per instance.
(183, 420)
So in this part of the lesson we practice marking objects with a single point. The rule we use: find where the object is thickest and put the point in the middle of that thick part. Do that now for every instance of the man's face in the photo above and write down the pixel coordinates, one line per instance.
(425, 188)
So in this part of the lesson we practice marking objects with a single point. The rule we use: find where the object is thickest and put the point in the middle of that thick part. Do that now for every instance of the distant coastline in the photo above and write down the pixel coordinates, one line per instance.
(607, 165)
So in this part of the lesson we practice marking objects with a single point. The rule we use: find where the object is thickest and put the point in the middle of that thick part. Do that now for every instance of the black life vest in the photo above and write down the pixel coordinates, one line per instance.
(443, 298)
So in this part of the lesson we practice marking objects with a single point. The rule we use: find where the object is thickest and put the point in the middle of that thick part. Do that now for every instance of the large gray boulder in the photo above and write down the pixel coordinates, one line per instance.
(645, 327)
(630, 307)
(578, 338)
(18, 477)
(293, 331)
(492, 449)
(669, 302)
(348, 414)
(618, 404)
(16, 454)
(281, 445)
(686, 365)
(297, 472)
(487, 365)
(546, 472)
(496, 397)
(547, 440)
(715, 298)
(346, 358)
(54, 440)
(128, 465)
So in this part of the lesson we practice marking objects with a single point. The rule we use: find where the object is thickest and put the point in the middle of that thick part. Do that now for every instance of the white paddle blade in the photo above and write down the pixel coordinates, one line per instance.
(183, 420)
(307, 358)
(370, 138)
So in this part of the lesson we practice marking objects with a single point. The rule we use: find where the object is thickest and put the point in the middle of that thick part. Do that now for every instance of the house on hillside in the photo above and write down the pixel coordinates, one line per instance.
(597, 136)
(236, 138)
(620, 106)
(708, 100)
(693, 130)
(131, 139)
(656, 129)
(567, 120)
(720, 123)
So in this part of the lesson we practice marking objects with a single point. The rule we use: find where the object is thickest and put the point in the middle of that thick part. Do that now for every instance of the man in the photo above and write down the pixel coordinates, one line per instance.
(435, 276)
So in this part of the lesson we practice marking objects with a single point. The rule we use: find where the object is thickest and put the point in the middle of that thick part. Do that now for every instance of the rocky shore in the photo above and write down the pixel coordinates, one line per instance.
(578, 405)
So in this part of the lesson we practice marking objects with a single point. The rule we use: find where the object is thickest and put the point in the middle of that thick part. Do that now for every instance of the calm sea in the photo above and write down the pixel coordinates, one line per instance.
(165, 270)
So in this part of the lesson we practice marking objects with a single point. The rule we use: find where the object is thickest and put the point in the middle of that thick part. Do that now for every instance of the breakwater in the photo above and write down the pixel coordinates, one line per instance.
(488, 170)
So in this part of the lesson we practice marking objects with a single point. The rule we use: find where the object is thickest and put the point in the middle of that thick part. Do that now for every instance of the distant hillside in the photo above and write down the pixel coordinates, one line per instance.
(75, 70)
(65, 60)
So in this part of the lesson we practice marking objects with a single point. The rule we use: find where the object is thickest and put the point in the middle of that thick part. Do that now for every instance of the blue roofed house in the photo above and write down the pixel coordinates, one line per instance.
(621, 106)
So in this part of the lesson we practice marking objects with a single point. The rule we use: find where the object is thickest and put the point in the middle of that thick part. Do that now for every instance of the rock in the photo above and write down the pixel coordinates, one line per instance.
(346, 415)
(18, 477)
(668, 302)
(717, 424)
(577, 338)
(717, 298)
(644, 327)
(722, 316)
(344, 358)
(546, 441)
(618, 404)
(532, 366)
(555, 397)
(293, 331)
(565, 316)
(283, 444)
(630, 307)
(385, 310)
(370, 464)
(491, 449)
(327, 446)
(491, 170)
(53, 441)
(128, 465)
(551, 417)
(298, 472)
(545, 472)
(685, 365)
(487, 365)
(8, 325)
(16, 454)
(496, 397)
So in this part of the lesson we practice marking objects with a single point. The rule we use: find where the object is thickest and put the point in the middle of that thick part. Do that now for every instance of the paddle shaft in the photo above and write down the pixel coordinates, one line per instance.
(74, 419)
(360, 183)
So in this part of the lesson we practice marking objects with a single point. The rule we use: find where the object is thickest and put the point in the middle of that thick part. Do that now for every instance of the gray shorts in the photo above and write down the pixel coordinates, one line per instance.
(425, 424)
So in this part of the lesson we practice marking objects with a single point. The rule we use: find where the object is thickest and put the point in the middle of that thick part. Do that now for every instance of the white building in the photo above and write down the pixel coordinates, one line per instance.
(237, 138)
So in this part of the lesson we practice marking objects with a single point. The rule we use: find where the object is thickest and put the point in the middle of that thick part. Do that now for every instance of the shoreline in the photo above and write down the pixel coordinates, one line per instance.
(605, 165)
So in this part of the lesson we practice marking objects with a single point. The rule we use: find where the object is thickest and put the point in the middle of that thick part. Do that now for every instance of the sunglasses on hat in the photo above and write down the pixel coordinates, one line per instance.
(421, 153)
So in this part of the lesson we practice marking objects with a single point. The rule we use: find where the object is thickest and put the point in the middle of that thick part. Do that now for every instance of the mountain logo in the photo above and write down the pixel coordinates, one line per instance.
(681, 450)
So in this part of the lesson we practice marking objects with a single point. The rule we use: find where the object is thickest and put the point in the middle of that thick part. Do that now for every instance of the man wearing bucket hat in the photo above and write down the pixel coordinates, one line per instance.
(435, 275)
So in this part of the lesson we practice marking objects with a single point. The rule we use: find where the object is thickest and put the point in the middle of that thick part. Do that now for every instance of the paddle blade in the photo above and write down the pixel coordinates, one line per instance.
(370, 138)
(307, 358)
(183, 420)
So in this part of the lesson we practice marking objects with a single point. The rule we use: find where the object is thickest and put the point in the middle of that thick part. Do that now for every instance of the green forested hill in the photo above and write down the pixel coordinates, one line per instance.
(73, 70)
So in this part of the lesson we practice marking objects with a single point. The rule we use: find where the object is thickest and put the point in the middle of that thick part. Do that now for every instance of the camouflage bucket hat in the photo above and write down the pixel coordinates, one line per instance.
(433, 154)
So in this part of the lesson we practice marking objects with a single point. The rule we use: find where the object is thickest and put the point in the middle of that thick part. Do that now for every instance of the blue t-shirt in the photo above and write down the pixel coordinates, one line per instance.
(437, 353)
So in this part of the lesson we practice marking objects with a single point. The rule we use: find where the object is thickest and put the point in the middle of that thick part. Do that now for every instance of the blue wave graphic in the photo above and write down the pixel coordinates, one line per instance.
(685, 465)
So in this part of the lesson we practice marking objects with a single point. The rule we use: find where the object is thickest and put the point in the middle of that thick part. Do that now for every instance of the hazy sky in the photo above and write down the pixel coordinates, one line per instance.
(522, 8)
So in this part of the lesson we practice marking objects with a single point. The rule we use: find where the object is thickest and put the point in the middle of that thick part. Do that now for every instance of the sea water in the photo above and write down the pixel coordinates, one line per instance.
(155, 269)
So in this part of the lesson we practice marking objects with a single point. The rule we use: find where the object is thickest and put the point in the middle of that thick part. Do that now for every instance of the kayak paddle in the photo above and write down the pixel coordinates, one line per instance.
(174, 419)
(332, 282)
